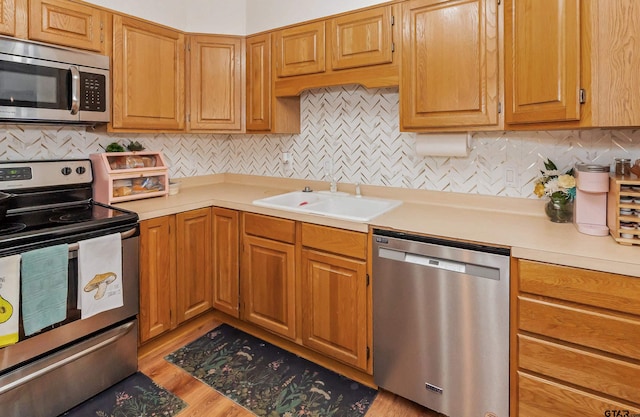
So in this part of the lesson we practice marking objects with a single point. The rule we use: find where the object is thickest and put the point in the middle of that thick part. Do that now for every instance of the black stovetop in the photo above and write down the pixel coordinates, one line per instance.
(52, 203)
(63, 223)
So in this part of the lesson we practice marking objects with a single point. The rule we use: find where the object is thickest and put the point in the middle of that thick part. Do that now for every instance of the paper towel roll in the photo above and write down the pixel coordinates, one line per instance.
(442, 144)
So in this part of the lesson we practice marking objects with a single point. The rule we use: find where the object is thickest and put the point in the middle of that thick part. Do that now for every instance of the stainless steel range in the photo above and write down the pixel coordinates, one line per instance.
(63, 364)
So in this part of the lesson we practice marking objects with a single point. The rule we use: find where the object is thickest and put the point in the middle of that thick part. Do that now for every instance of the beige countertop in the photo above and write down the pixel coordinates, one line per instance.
(513, 222)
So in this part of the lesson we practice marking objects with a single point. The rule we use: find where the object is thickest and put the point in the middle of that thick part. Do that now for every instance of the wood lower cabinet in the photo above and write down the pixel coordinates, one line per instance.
(450, 65)
(194, 266)
(216, 76)
(334, 293)
(157, 277)
(148, 76)
(576, 335)
(67, 23)
(226, 261)
(268, 278)
(175, 270)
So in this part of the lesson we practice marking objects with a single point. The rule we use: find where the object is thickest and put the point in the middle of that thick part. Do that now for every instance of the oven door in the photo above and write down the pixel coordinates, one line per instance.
(73, 328)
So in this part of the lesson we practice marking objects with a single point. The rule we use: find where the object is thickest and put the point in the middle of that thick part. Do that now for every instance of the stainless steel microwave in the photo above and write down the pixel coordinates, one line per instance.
(51, 84)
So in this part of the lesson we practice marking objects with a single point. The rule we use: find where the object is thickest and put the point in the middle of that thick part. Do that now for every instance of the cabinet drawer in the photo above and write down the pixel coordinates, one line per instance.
(600, 373)
(541, 398)
(609, 333)
(273, 228)
(599, 289)
(329, 239)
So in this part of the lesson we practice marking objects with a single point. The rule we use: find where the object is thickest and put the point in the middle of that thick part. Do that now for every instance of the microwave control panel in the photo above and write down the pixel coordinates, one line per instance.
(92, 92)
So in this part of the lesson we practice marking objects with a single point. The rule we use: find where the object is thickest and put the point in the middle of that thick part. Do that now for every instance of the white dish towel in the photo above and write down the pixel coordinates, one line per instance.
(9, 299)
(100, 275)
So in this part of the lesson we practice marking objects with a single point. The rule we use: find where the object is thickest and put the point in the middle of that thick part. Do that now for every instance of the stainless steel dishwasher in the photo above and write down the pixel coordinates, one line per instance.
(441, 323)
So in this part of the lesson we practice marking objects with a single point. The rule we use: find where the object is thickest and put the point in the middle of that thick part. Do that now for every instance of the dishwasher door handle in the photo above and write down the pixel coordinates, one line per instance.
(435, 263)
(480, 271)
(423, 260)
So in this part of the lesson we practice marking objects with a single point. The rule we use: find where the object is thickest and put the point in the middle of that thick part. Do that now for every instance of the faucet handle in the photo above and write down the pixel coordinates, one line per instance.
(358, 193)
(307, 189)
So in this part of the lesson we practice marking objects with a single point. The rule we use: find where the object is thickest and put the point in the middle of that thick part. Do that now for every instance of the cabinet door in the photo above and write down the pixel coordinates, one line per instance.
(193, 244)
(65, 23)
(268, 285)
(157, 277)
(300, 50)
(8, 17)
(216, 83)
(148, 76)
(361, 39)
(450, 64)
(226, 267)
(334, 306)
(542, 60)
(259, 82)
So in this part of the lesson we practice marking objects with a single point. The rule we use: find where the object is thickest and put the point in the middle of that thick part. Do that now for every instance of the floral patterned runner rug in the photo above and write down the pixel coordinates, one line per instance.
(267, 380)
(134, 396)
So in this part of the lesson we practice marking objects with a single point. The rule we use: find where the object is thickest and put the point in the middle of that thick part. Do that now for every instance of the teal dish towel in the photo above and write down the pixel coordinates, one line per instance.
(44, 287)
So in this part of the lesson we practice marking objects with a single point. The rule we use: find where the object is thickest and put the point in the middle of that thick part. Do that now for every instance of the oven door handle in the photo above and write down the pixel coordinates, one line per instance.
(123, 330)
(123, 235)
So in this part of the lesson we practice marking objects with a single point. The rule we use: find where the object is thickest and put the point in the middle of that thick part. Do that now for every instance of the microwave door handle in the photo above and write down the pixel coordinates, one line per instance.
(75, 89)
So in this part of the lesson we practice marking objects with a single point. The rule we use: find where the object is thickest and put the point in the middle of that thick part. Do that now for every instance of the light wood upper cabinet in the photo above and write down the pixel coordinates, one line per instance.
(361, 47)
(573, 65)
(542, 60)
(148, 76)
(450, 64)
(8, 17)
(157, 277)
(226, 262)
(259, 82)
(194, 266)
(361, 39)
(216, 83)
(265, 112)
(300, 50)
(65, 23)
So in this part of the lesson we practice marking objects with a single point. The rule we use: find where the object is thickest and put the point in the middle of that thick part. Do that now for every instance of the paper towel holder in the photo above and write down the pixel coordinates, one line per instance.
(455, 145)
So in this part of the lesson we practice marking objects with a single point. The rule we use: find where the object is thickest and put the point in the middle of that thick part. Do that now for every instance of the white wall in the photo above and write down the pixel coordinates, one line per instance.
(231, 17)
(269, 14)
(207, 16)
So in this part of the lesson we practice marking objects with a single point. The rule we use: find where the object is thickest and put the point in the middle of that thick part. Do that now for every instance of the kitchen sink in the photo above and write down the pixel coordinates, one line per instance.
(338, 205)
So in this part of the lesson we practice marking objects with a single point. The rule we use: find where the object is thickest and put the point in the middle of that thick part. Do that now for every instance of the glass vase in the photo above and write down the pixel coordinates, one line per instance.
(559, 210)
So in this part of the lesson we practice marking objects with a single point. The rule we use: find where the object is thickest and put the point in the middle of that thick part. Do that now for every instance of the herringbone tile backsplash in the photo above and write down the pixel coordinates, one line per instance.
(356, 132)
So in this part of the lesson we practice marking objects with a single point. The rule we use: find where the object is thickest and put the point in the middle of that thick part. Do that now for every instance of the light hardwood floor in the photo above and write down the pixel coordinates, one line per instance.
(203, 401)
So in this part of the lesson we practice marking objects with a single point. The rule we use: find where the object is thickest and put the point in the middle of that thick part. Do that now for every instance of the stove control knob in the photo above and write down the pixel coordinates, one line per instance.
(66, 171)
(81, 170)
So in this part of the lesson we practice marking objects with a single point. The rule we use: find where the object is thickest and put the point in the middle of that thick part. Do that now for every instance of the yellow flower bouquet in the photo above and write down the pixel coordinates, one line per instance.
(554, 184)
(561, 190)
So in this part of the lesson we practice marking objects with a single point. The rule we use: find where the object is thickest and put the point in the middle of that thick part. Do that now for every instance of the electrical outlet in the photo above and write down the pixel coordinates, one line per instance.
(511, 176)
